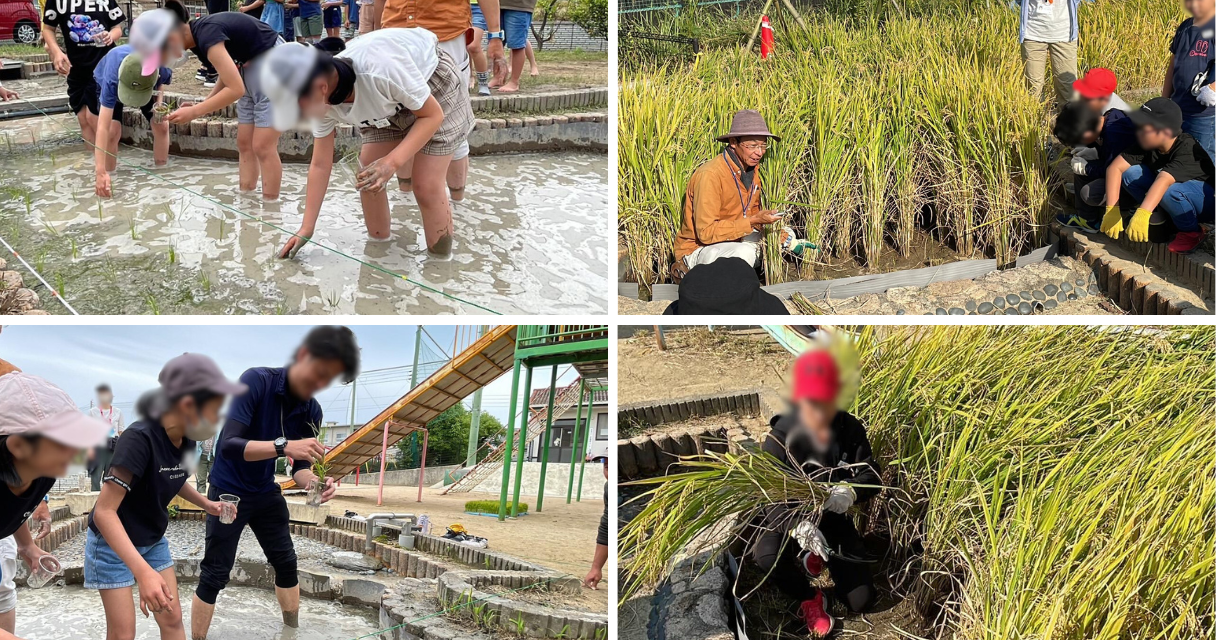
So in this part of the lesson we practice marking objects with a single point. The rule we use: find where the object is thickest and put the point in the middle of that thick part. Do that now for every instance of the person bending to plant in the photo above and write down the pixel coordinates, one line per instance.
(1097, 139)
(273, 420)
(126, 543)
(41, 432)
(829, 446)
(1166, 169)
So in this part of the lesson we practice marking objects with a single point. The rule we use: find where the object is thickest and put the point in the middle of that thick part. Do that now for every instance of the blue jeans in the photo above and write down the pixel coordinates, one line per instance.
(516, 24)
(103, 569)
(1203, 128)
(1187, 203)
(479, 18)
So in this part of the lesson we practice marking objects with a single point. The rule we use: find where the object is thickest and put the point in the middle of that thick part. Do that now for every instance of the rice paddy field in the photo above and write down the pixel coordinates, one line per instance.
(896, 119)
(1054, 483)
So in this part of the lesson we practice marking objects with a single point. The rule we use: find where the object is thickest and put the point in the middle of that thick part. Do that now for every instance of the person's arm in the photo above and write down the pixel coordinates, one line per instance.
(1167, 88)
(191, 495)
(494, 49)
(113, 35)
(246, 8)
(42, 515)
(154, 593)
(1156, 192)
(59, 59)
(1114, 180)
(6, 95)
(319, 170)
(26, 547)
(377, 10)
(229, 92)
(706, 205)
(428, 118)
(236, 445)
(105, 116)
(867, 474)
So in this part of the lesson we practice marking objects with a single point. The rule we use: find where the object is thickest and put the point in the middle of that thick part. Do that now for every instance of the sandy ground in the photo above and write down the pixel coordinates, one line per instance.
(594, 600)
(698, 362)
(561, 537)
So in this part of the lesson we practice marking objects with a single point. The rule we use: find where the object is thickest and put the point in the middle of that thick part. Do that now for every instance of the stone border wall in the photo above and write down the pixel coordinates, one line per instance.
(747, 403)
(459, 587)
(691, 604)
(1135, 288)
(216, 137)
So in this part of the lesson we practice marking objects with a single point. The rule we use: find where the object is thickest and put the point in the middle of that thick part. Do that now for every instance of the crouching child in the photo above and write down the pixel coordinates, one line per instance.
(1166, 178)
(1096, 139)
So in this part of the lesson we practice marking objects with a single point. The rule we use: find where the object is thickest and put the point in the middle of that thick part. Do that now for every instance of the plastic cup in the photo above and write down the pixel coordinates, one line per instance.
(160, 112)
(314, 493)
(230, 503)
(350, 166)
(48, 567)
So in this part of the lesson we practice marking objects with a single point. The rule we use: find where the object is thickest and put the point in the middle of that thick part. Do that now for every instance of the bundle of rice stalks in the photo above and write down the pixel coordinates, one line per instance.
(893, 118)
(1053, 483)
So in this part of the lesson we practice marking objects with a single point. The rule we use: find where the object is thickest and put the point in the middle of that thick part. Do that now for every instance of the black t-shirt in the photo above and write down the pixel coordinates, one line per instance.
(1185, 161)
(244, 36)
(79, 22)
(158, 471)
(15, 510)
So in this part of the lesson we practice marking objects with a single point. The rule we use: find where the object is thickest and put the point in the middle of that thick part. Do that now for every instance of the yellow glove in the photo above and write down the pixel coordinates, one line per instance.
(1137, 229)
(1112, 222)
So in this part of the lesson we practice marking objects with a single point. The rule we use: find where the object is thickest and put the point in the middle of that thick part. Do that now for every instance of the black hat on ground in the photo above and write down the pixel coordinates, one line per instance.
(726, 286)
(1160, 113)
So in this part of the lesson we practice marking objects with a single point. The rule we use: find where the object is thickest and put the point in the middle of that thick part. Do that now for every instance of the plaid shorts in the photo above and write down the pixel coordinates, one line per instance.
(452, 94)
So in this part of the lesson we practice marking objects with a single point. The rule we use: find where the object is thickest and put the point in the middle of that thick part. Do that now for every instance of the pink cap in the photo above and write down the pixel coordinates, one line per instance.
(31, 405)
(816, 377)
(151, 64)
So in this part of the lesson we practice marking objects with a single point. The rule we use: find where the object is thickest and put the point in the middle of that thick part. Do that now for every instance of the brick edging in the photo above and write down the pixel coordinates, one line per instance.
(500, 611)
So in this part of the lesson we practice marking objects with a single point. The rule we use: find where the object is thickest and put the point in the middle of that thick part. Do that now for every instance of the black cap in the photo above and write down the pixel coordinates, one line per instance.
(726, 286)
(1160, 113)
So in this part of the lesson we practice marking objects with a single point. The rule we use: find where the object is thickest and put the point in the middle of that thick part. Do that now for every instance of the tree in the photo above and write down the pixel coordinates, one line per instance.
(546, 12)
(591, 15)
(449, 438)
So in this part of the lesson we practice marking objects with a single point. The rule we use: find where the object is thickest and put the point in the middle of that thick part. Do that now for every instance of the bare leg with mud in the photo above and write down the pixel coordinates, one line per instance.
(247, 162)
(289, 602)
(266, 150)
(430, 189)
(376, 213)
(200, 618)
(458, 176)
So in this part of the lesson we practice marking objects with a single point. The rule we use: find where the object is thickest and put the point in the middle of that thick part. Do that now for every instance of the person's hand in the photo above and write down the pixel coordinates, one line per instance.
(42, 515)
(498, 59)
(767, 216)
(154, 593)
(810, 538)
(295, 243)
(840, 498)
(1137, 228)
(104, 39)
(6, 95)
(102, 189)
(31, 555)
(61, 63)
(593, 578)
(214, 508)
(1079, 166)
(1206, 96)
(376, 175)
(1112, 222)
(307, 449)
(328, 492)
(182, 115)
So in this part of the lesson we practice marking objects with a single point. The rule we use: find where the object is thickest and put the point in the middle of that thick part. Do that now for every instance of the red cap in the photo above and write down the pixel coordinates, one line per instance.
(816, 377)
(1098, 82)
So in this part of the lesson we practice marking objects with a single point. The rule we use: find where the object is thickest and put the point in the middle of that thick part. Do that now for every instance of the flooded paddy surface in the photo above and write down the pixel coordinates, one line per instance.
(244, 613)
(529, 239)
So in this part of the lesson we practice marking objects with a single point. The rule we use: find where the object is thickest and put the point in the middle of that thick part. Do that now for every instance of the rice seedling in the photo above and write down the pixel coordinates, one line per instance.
(1042, 482)
(153, 303)
(172, 254)
(894, 117)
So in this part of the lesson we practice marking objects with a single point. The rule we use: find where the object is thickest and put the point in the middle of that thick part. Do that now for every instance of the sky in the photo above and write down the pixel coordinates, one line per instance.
(129, 358)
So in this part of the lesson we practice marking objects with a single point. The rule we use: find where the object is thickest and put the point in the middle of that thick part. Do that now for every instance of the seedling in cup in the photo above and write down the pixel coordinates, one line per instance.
(320, 469)
(228, 507)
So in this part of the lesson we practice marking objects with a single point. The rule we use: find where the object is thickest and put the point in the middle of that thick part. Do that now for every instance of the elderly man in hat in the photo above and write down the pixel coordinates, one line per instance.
(722, 214)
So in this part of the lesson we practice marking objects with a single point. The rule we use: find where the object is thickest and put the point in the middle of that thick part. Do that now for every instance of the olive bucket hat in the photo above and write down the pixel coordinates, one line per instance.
(134, 87)
(747, 122)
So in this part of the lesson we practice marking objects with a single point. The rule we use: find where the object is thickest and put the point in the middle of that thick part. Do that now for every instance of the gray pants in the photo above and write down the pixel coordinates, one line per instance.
(200, 477)
(1063, 57)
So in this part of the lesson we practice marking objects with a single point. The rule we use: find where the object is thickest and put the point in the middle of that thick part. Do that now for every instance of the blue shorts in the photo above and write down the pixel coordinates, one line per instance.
(479, 18)
(103, 569)
(333, 17)
(517, 25)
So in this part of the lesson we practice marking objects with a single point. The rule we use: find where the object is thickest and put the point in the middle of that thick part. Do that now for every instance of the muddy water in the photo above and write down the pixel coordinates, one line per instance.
(74, 613)
(530, 238)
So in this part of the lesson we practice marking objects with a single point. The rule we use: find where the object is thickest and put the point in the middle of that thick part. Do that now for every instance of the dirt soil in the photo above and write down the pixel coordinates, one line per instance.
(562, 537)
(924, 252)
(593, 600)
(751, 424)
(699, 362)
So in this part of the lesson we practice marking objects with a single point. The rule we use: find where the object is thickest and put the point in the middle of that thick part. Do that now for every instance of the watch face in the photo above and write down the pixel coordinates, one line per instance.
(280, 442)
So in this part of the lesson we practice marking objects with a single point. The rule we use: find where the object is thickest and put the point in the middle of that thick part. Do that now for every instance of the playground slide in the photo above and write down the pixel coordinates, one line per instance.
(480, 364)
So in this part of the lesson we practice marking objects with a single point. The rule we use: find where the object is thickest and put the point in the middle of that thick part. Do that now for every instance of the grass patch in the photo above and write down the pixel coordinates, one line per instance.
(1041, 482)
(489, 506)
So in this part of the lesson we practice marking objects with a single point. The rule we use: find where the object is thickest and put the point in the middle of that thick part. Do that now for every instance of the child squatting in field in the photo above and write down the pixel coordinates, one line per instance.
(829, 446)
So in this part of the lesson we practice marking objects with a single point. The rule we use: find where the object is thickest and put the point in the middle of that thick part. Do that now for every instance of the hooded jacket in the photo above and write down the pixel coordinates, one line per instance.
(789, 443)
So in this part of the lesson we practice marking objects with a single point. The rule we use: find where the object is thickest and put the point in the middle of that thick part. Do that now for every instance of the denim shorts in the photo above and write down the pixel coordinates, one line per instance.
(517, 24)
(103, 569)
(254, 107)
(479, 18)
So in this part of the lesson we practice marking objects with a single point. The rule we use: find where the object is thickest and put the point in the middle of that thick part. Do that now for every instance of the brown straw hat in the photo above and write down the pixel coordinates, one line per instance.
(747, 122)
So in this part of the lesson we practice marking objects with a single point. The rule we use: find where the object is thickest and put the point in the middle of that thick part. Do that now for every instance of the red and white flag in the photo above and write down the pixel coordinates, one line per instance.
(766, 38)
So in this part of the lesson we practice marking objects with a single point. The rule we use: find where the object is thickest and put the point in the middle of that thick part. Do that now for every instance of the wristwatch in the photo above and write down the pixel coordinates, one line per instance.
(280, 447)
(496, 35)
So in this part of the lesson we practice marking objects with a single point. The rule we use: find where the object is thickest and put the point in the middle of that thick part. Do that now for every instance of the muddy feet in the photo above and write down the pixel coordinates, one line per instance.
(291, 618)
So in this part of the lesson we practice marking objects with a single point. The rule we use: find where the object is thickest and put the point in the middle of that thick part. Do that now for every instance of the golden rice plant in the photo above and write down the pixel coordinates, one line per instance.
(1042, 482)
(928, 92)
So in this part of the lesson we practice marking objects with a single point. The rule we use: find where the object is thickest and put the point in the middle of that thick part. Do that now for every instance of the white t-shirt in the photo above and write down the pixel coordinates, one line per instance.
(1117, 103)
(1048, 21)
(111, 416)
(392, 67)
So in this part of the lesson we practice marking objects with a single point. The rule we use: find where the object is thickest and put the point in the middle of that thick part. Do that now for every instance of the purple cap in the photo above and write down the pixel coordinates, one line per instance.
(194, 372)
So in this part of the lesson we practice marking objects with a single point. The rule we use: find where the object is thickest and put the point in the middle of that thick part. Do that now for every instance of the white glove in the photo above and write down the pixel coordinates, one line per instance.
(840, 498)
(1079, 165)
(1206, 97)
(810, 538)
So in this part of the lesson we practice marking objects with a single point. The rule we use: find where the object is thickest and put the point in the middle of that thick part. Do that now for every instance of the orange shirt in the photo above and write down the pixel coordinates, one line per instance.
(717, 207)
(447, 19)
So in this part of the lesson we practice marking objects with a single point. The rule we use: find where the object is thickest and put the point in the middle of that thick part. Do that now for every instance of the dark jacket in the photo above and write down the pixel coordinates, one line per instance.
(849, 447)
(602, 536)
